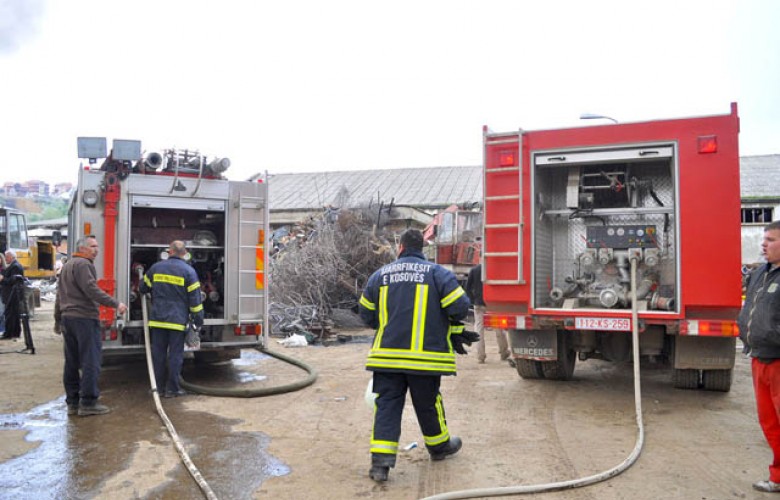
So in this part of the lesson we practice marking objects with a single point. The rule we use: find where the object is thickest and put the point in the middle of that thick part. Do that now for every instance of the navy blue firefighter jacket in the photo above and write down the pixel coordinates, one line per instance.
(411, 303)
(175, 294)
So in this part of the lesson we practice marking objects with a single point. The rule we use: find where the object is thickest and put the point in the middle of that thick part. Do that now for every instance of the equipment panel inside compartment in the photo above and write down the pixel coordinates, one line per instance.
(203, 232)
(594, 213)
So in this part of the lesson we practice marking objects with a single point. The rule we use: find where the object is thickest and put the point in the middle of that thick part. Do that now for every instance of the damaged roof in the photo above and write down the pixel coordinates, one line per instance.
(432, 187)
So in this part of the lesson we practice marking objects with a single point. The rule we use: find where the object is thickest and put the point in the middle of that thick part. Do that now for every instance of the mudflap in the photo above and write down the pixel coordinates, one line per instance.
(538, 345)
(704, 353)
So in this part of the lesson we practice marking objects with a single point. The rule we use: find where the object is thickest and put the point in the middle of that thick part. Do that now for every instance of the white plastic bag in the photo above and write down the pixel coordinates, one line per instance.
(370, 395)
(294, 340)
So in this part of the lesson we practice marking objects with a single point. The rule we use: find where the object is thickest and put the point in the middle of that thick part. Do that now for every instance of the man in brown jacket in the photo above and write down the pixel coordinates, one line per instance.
(76, 311)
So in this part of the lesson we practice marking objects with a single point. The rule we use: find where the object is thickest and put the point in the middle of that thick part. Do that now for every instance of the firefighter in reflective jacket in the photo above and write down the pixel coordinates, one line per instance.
(176, 298)
(411, 303)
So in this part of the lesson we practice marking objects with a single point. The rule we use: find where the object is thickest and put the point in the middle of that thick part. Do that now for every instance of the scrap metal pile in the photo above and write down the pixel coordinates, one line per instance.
(320, 265)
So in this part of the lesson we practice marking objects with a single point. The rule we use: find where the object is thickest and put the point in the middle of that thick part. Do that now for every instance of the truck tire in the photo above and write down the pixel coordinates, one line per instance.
(685, 379)
(529, 369)
(717, 380)
(563, 367)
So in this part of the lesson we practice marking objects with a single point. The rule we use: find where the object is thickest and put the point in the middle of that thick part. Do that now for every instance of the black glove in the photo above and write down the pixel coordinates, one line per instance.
(461, 339)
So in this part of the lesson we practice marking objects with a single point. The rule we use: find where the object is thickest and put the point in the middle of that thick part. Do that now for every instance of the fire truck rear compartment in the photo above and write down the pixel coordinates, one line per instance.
(595, 210)
(202, 231)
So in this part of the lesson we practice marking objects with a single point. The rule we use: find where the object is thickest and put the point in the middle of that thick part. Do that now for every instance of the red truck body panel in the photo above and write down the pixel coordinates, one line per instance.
(706, 212)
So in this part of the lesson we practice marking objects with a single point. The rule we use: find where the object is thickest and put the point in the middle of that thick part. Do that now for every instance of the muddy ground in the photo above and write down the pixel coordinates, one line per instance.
(313, 443)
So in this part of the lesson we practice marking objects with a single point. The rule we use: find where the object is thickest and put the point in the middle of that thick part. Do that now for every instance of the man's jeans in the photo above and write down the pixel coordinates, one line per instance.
(82, 344)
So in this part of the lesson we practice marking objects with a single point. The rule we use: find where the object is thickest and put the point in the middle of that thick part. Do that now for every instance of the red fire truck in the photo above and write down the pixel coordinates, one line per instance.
(568, 211)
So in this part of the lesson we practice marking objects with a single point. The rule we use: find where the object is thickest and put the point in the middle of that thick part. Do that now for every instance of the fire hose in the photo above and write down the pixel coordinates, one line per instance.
(225, 392)
(588, 480)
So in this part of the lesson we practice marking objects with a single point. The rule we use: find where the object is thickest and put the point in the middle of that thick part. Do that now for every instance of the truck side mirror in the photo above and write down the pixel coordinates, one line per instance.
(56, 238)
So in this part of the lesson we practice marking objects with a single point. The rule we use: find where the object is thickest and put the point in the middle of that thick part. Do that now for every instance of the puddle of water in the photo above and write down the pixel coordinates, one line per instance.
(78, 457)
(43, 471)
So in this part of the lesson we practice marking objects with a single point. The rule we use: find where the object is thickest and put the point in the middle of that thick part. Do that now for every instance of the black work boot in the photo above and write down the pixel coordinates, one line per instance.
(380, 466)
(379, 473)
(450, 448)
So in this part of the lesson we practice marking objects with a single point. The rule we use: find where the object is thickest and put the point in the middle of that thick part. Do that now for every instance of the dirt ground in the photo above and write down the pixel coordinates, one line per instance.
(698, 445)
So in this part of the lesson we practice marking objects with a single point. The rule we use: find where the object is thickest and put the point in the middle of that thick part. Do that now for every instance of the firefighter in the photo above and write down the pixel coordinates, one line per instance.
(411, 303)
(176, 300)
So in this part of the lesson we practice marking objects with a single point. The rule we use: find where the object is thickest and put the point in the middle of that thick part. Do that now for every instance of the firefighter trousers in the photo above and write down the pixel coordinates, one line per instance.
(390, 389)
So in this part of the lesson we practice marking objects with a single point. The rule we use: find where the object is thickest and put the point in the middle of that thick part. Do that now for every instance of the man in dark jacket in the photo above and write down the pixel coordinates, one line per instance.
(11, 292)
(474, 292)
(411, 303)
(76, 311)
(176, 301)
(759, 329)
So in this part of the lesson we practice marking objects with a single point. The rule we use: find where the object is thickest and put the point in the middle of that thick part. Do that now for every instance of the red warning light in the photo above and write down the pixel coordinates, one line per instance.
(506, 159)
(708, 144)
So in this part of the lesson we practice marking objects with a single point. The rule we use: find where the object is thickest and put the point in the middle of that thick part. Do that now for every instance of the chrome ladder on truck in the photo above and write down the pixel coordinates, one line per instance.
(499, 209)
(252, 284)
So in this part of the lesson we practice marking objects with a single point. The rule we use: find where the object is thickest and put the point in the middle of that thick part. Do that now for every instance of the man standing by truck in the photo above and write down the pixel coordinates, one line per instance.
(176, 299)
(758, 329)
(411, 303)
(76, 311)
(10, 291)
(474, 292)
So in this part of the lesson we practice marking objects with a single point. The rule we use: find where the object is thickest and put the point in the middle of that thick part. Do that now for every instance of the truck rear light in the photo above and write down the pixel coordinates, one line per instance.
(707, 144)
(709, 328)
(503, 322)
(506, 159)
(248, 329)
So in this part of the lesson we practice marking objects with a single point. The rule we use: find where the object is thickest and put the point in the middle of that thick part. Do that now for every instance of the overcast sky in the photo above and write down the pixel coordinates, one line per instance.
(295, 86)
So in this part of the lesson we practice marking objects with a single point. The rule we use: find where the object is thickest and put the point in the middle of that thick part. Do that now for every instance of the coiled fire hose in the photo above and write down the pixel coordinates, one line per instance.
(596, 478)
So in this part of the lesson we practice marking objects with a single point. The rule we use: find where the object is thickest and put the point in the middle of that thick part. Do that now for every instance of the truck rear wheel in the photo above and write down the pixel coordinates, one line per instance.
(563, 367)
(717, 380)
(685, 379)
(528, 368)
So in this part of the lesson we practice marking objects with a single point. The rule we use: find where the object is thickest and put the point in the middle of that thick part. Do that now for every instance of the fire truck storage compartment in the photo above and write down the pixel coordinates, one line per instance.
(155, 222)
(595, 210)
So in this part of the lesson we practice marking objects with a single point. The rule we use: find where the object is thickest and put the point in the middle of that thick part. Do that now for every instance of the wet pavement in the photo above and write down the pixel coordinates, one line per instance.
(128, 453)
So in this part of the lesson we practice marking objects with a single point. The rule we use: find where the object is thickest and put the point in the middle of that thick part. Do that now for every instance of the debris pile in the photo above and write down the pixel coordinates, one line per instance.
(321, 265)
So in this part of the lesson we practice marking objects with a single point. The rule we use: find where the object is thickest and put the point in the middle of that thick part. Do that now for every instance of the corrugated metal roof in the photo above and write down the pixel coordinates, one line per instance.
(418, 187)
(436, 187)
(759, 176)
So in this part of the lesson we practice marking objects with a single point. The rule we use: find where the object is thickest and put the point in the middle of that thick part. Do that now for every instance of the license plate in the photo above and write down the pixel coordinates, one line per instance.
(611, 324)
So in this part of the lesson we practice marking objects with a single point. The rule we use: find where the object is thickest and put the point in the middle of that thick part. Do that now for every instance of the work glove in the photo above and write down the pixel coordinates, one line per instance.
(461, 337)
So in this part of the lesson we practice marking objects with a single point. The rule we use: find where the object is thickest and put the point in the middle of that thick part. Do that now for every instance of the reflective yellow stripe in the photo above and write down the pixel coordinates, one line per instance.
(407, 364)
(444, 436)
(193, 286)
(166, 326)
(452, 297)
(382, 316)
(197, 308)
(168, 278)
(409, 354)
(457, 329)
(367, 303)
(387, 447)
(418, 320)
(146, 280)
